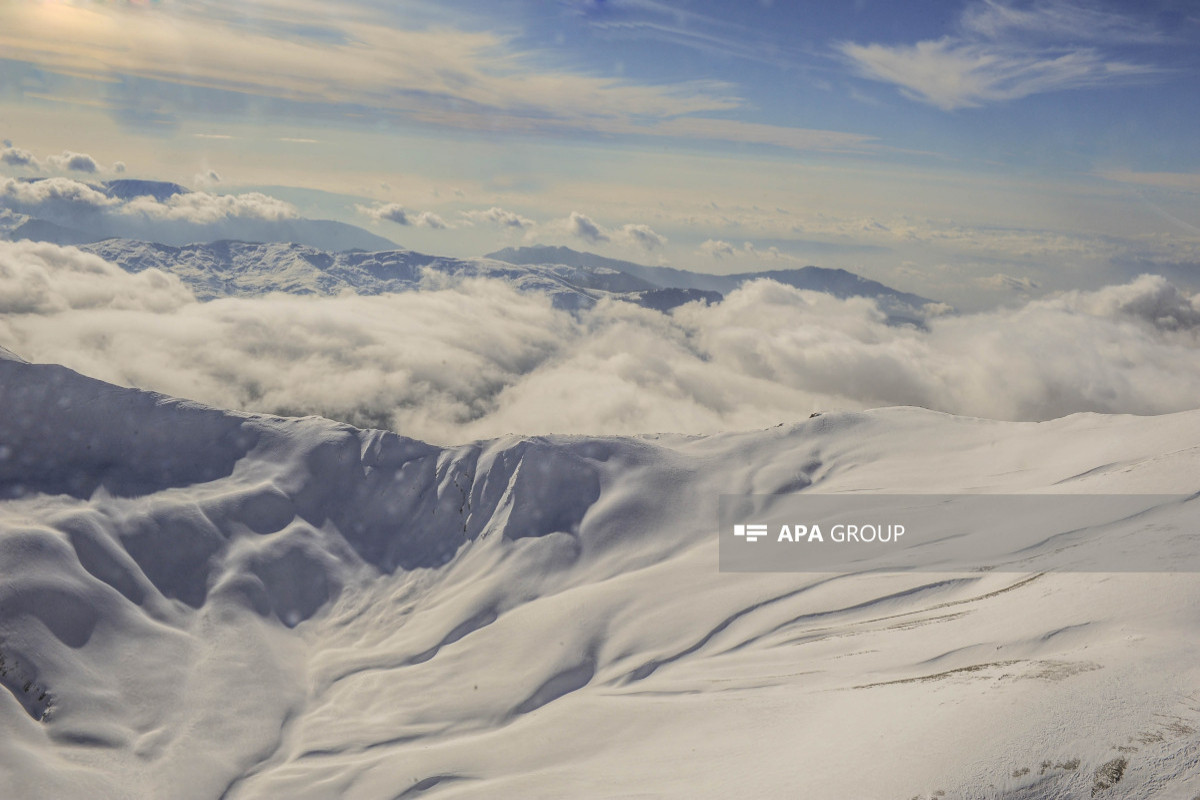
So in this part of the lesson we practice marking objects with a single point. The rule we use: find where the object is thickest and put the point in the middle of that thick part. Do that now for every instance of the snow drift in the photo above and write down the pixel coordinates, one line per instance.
(199, 604)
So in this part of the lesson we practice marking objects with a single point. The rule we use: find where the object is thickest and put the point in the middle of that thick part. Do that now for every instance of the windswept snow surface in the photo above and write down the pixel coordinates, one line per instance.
(204, 604)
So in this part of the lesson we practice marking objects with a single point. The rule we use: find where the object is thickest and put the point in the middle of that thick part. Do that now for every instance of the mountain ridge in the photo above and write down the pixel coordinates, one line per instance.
(838, 282)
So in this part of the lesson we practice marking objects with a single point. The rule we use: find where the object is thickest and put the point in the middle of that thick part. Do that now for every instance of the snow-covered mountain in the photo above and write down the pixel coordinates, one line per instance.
(228, 268)
(204, 604)
(838, 282)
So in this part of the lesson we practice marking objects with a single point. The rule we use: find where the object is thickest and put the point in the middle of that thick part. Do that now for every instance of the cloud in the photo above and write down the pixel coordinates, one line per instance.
(1185, 181)
(716, 248)
(203, 208)
(1004, 53)
(477, 359)
(394, 212)
(583, 227)
(439, 75)
(643, 236)
(1001, 281)
(65, 162)
(1056, 20)
(428, 219)
(74, 204)
(74, 162)
(207, 178)
(43, 279)
(389, 212)
(58, 199)
(771, 253)
(498, 217)
(633, 234)
(16, 157)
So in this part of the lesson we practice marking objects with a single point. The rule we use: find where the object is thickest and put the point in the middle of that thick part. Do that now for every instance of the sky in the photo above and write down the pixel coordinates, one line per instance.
(979, 152)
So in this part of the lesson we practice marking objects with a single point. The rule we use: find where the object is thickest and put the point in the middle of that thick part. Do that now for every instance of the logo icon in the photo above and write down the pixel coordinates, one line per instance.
(751, 533)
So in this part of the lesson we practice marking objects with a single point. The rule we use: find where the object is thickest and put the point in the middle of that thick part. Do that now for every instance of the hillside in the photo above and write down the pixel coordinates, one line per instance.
(203, 604)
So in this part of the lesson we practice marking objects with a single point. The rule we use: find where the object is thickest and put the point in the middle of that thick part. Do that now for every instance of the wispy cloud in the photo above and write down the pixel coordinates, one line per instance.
(434, 75)
(1001, 52)
(1187, 181)
(1057, 20)
(676, 25)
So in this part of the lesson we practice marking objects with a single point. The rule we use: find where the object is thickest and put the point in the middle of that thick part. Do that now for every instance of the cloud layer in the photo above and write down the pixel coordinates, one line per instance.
(368, 56)
(478, 359)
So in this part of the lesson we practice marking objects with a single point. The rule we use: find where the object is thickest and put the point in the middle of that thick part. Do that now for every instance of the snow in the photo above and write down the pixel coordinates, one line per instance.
(197, 604)
(247, 269)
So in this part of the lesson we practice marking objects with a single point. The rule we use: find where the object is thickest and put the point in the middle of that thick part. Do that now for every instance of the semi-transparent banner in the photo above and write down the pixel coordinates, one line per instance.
(960, 532)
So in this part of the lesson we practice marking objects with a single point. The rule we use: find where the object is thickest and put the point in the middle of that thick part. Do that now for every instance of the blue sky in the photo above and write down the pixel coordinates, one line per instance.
(976, 151)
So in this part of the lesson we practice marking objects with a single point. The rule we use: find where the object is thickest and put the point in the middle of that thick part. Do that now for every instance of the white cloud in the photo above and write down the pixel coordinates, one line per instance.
(388, 212)
(475, 359)
(498, 217)
(52, 197)
(1056, 20)
(642, 235)
(69, 202)
(73, 162)
(66, 162)
(716, 248)
(207, 178)
(770, 253)
(1005, 53)
(44, 279)
(202, 208)
(394, 212)
(402, 216)
(632, 234)
(16, 157)
(583, 227)
(434, 74)
(428, 219)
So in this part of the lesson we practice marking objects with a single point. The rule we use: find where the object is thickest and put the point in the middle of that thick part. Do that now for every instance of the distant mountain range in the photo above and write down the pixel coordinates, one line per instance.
(239, 256)
(228, 268)
(837, 282)
(68, 225)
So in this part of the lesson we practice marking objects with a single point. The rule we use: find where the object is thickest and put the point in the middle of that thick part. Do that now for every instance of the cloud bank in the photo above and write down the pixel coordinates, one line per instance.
(70, 202)
(478, 359)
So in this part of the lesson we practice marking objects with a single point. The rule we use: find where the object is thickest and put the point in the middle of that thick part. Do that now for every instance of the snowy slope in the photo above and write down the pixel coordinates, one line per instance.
(227, 268)
(203, 604)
